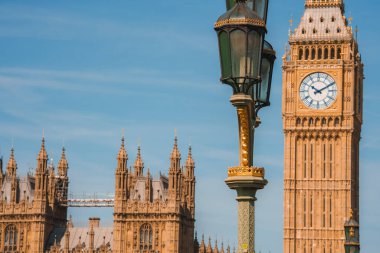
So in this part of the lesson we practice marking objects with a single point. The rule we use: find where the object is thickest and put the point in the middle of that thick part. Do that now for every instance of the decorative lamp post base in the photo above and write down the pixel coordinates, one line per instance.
(246, 181)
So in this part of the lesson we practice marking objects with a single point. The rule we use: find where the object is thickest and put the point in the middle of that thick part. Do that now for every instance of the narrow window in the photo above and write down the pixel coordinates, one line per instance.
(313, 54)
(304, 211)
(326, 56)
(336, 123)
(324, 161)
(330, 220)
(324, 211)
(331, 160)
(332, 55)
(307, 54)
(304, 161)
(146, 238)
(311, 160)
(311, 211)
(319, 53)
(300, 54)
(339, 53)
(10, 240)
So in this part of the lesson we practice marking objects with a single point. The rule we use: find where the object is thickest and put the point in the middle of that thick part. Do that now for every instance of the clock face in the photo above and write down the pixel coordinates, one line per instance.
(318, 91)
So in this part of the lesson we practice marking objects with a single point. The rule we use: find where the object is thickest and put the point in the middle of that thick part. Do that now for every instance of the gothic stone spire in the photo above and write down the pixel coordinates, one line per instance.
(175, 156)
(42, 158)
(12, 165)
(63, 164)
(122, 156)
(139, 165)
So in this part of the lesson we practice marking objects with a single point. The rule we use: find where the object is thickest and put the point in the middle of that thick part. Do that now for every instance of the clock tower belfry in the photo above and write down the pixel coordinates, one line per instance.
(322, 105)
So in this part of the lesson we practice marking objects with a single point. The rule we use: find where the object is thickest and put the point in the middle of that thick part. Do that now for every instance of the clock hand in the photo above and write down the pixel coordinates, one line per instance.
(316, 90)
(326, 87)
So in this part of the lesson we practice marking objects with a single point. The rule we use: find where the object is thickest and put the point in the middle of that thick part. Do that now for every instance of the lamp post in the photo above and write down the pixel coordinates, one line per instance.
(246, 64)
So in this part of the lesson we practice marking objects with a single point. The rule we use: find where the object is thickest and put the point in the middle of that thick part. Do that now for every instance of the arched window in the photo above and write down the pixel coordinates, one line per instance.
(300, 54)
(10, 240)
(336, 122)
(313, 54)
(146, 238)
(332, 53)
(326, 55)
(307, 52)
(339, 53)
(319, 53)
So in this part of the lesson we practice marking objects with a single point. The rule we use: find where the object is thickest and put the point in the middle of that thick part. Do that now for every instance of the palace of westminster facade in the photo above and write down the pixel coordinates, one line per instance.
(322, 117)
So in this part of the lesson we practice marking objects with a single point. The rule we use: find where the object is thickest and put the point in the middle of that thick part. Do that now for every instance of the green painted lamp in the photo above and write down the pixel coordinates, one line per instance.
(259, 6)
(241, 35)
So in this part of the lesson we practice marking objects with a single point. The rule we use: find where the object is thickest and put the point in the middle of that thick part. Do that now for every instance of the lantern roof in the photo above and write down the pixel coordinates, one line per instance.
(268, 49)
(240, 14)
(351, 222)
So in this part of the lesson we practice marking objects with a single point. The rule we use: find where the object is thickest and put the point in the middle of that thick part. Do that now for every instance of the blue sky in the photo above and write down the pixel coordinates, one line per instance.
(84, 70)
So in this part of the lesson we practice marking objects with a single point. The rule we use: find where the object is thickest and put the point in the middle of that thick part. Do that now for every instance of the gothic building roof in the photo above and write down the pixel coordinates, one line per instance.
(159, 189)
(81, 235)
(322, 24)
(24, 191)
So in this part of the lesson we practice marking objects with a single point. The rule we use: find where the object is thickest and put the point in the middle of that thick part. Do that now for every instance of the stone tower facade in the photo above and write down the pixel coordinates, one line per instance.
(31, 207)
(154, 215)
(322, 116)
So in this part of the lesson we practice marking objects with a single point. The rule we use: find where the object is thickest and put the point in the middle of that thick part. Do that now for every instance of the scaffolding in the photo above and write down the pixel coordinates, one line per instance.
(90, 200)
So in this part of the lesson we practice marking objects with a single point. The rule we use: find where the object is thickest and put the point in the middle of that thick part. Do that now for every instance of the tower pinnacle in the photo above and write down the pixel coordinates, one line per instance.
(12, 165)
(43, 155)
(175, 153)
(63, 164)
(122, 152)
(175, 157)
(139, 165)
(190, 161)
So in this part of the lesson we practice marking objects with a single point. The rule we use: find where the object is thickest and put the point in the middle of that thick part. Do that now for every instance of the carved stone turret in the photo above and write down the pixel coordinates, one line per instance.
(175, 175)
(139, 165)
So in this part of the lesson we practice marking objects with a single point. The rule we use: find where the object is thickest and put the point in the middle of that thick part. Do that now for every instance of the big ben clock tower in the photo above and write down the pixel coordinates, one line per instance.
(322, 117)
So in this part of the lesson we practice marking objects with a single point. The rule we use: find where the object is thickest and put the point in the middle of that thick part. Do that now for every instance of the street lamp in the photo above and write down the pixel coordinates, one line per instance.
(259, 6)
(247, 62)
(261, 91)
(241, 36)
